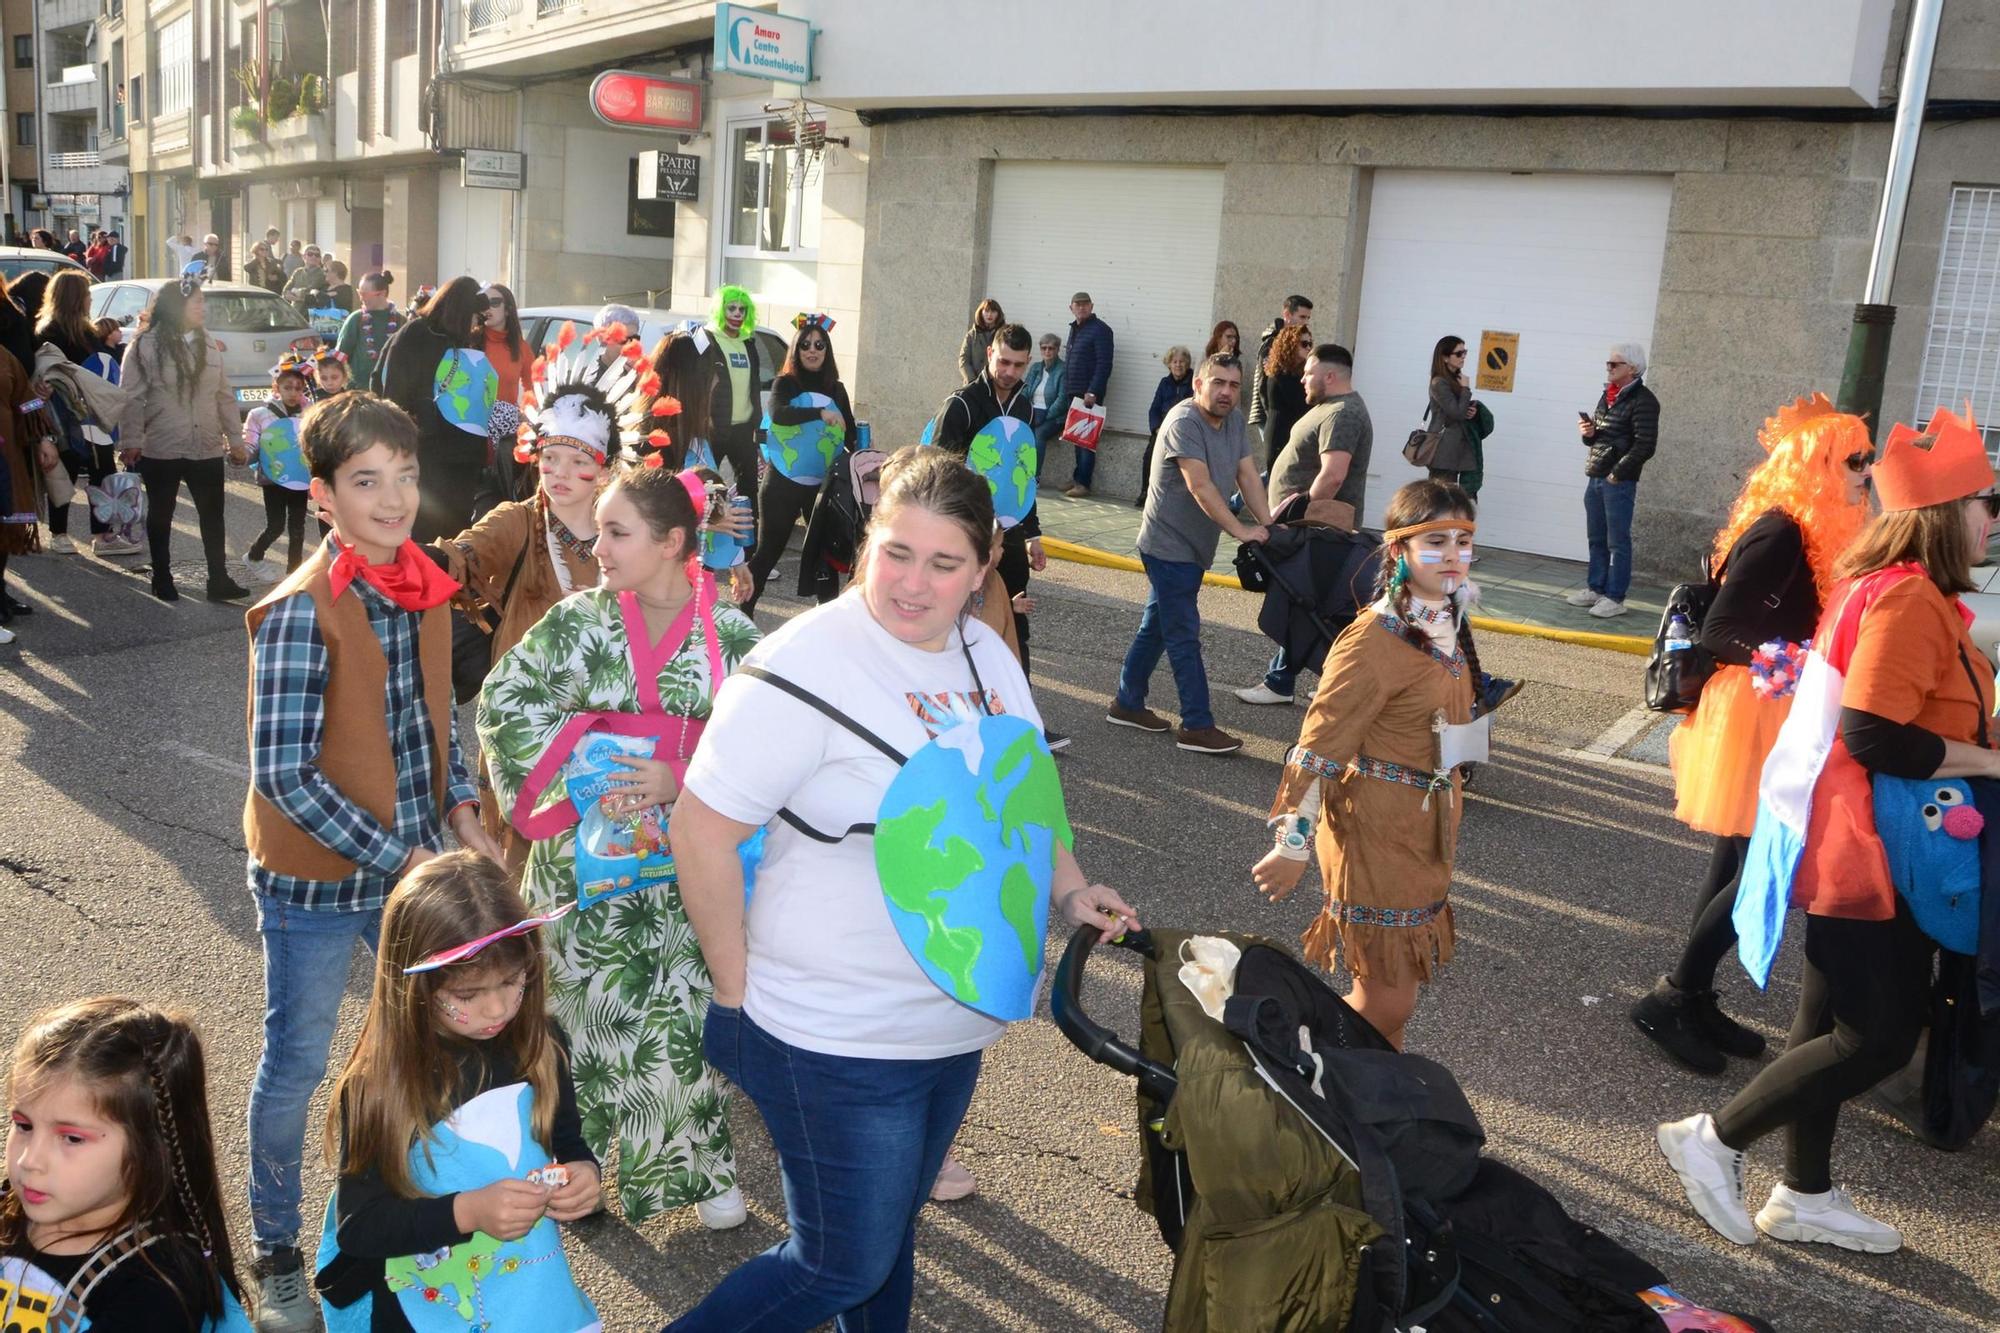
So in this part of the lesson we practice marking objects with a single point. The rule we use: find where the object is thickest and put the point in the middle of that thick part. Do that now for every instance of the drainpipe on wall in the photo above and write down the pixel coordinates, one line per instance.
(1874, 317)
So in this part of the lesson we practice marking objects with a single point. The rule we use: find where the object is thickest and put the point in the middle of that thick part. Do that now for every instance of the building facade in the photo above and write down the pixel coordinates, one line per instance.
(76, 188)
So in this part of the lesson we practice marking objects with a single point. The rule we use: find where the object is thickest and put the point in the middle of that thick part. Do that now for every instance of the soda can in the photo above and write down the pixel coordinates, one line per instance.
(862, 435)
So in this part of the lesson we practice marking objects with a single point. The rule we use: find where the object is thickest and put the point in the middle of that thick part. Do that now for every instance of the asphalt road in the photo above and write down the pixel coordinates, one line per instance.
(121, 869)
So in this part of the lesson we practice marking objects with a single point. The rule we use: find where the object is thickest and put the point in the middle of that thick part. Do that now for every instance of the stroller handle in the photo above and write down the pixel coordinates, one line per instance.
(1094, 1040)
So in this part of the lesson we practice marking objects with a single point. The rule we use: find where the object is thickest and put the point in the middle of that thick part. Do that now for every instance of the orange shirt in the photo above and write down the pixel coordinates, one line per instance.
(1914, 662)
(507, 363)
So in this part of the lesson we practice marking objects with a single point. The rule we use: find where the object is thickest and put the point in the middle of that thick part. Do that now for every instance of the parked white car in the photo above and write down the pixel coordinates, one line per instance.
(17, 261)
(254, 327)
(1984, 603)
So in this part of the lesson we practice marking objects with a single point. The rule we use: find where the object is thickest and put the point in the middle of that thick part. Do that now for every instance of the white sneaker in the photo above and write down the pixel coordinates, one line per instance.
(1606, 608)
(284, 1301)
(724, 1211)
(1583, 597)
(60, 544)
(954, 1181)
(7, 636)
(1830, 1217)
(1260, 693)
(1711, 1173)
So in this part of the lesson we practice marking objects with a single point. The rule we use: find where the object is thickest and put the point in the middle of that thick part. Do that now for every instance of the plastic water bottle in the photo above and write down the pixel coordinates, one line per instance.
(1680, 634)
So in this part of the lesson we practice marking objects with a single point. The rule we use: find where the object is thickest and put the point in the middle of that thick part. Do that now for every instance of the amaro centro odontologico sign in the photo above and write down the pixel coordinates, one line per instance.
(763, 45)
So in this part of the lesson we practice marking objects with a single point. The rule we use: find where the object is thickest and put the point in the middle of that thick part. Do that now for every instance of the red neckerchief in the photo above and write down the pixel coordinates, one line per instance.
(412, 580)
(1611, 395)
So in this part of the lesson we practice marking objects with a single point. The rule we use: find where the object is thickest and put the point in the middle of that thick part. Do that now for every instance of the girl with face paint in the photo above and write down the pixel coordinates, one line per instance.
(1374, 771)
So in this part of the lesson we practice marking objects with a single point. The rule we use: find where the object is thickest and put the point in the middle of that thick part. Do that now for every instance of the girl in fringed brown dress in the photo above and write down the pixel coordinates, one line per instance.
(27, 442)
(1373, 771)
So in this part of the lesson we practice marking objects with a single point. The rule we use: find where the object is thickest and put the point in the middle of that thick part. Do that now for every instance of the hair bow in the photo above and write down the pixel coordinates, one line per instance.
(464, 952)
(803, 321)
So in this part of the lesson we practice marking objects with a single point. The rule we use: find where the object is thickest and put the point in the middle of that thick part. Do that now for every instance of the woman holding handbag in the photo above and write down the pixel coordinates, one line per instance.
(1895, 677)
(1797, 513)
(1450, 412)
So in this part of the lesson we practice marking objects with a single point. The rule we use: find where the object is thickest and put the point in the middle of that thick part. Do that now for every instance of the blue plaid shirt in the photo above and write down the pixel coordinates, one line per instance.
(287, 719)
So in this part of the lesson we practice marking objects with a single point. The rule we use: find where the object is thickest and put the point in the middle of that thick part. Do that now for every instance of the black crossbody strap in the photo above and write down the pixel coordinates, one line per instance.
(812, 700)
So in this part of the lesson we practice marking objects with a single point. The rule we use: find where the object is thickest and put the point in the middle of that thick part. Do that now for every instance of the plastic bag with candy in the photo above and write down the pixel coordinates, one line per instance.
(616, 852)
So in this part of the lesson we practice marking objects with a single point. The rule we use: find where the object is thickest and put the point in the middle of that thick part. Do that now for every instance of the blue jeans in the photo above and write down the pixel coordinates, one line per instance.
(1047, 423)
(1171, 623)
(306, 955)
(1607, 520)
(859, 1144)
(1283, 677)
(1086, 459)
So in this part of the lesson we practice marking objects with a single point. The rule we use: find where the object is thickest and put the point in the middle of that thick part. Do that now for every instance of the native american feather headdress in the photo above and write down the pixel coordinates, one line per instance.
(606, 407)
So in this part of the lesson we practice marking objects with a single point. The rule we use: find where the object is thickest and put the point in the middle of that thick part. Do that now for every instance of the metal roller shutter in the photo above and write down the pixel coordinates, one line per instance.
(1571, 263)
(1142, 240)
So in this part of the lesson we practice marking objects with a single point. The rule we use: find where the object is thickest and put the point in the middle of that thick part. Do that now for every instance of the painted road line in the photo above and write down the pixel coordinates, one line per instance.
(1616, 643)
(1620, 733)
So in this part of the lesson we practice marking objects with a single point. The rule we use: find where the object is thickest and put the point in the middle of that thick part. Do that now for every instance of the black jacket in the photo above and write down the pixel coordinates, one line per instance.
(961, 416)
(1627, 433)
(721, 398)
(1264, 341)
(1767, 592)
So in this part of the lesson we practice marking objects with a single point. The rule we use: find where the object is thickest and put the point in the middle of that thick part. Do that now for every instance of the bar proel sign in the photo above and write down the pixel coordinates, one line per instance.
(643, 102)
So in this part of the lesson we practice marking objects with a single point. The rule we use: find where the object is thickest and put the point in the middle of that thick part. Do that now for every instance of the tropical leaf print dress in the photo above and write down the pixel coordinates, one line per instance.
(627, 976)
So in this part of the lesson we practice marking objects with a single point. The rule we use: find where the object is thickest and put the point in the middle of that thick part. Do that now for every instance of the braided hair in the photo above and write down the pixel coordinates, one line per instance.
(144, 1068)
(1420, 502)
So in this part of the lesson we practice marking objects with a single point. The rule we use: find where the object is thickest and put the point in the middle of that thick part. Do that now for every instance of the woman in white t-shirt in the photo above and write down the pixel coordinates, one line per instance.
(821, 1013)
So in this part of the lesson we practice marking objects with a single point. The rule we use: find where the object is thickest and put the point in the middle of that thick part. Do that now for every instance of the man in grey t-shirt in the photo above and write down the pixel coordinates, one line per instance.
(1203, 453)
(1327, 455)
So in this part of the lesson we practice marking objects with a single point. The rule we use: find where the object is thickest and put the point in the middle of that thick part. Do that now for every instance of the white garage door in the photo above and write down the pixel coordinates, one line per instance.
(1141, 240)
(1571, 263)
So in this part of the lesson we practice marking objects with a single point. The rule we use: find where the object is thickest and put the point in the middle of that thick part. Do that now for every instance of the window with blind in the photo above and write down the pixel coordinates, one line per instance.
(1962, 347)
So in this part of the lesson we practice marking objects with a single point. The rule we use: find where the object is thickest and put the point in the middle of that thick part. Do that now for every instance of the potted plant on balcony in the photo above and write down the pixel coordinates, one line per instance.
(312, 95)
(282, 99)
(247, 119)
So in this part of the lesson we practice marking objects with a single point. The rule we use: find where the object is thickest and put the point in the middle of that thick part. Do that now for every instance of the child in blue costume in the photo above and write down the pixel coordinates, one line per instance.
(111, 1216)
(271, 438)
(444, 1217)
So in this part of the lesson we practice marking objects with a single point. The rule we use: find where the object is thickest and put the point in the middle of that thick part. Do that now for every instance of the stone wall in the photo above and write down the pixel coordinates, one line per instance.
(1767, 251)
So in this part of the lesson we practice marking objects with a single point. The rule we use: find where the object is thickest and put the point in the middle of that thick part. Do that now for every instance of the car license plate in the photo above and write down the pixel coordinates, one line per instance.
(253, 395)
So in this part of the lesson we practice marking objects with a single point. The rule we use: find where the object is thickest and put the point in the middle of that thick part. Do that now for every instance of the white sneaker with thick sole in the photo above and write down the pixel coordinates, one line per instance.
(60, 544)
(724, 1211)
(1711, 1173)
(1260, 693)
(1830, 1218)
(1583, 597)
(1606, 608)
(7, 636)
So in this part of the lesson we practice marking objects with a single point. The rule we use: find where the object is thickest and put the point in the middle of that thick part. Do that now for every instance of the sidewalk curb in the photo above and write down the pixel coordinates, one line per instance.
(1633, 644)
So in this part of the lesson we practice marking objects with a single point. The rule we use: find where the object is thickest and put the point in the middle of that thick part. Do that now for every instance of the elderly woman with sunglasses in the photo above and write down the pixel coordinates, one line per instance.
(1897, 680)
(809, 369)
(1798, 512)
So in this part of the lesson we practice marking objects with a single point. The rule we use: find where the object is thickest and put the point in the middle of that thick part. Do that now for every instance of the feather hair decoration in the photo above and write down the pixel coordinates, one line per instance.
(584, 397)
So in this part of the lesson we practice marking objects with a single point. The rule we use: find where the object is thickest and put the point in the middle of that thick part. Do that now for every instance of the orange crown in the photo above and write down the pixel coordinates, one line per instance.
(1945, 461)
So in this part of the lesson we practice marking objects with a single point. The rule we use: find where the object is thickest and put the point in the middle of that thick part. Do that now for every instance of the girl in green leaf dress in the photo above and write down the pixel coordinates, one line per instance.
(640, 655)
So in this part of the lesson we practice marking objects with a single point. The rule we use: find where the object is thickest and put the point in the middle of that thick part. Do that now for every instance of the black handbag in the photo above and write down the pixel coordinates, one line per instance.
(472, 643)
(1677, 667)
(1962, 1062)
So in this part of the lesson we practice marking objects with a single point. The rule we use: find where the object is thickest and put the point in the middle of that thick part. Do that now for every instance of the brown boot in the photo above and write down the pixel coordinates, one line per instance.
(1144, 719)
(1207, 740)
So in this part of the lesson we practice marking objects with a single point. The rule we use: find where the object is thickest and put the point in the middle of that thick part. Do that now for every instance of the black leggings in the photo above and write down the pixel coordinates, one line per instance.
(100, 466)
(1713, 929)
(1862, 1007)
(784, 500)
(284, 510)
(163, 478)
(1013, 570)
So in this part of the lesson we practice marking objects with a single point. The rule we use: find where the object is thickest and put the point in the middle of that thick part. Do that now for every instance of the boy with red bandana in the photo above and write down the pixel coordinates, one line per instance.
(355, 773)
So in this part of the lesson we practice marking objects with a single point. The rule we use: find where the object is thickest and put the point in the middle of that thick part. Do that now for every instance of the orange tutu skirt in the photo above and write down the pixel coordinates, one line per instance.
(1718, 754)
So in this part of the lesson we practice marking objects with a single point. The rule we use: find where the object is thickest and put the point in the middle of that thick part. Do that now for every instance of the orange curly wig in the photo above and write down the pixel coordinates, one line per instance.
(1806, 476)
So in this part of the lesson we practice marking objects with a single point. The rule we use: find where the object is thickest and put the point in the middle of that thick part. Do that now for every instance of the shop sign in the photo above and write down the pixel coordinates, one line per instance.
(643, 102)
(493, 169)
(675, 176)
(763, 45)
(1497, 355)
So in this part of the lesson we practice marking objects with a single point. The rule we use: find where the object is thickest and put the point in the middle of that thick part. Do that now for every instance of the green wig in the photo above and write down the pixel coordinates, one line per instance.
(730, 294)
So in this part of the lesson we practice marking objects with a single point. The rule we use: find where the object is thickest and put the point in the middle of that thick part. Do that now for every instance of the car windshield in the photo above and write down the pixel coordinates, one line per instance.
(15, 268)
(250, 312)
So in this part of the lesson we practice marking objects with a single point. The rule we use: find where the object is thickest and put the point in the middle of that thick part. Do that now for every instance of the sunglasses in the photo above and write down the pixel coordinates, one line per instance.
(1992, 503)
(1613, 365)
(1860, 462)
(496, 302)
(1460, 352)
(814, 346)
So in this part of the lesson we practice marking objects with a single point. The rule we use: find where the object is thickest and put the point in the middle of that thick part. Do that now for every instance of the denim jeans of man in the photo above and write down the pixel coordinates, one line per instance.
(1086, 459)
(1607, 520)
(1283, 677)
(1171, 624)
(306, 956)
(1047, 423)
(859, 1144)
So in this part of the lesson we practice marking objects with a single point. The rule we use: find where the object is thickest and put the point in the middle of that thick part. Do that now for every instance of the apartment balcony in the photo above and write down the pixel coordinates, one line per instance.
(80, 173)
(77, 91)
(544, 36)
(58, 14)
(296, 141)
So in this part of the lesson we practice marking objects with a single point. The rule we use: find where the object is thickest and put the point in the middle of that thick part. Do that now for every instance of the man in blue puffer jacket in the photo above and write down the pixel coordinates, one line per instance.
(1087, 371)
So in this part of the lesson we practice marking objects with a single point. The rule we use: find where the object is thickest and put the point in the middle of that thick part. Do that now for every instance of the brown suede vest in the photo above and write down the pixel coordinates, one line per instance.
(354, 740)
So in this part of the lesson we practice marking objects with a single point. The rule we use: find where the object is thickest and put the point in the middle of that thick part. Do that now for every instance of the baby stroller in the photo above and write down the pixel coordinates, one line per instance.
(1311, 1179)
